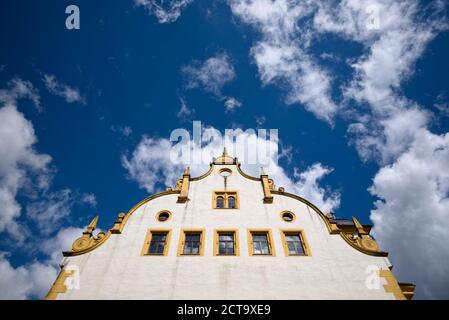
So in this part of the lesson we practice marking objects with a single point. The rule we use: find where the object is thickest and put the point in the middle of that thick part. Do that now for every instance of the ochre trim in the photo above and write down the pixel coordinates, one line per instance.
(408, 289)
(163, 211)
(211, 169)
(235, 233)
(225, 195)
(392, 285)
(116, 229)
(267, 197)
(287, 211)
(266, 231)
(149, 235)
(182, 239)
(59, 285)
(302, 236)
(185, 184)
(239, 169)
(363, 242)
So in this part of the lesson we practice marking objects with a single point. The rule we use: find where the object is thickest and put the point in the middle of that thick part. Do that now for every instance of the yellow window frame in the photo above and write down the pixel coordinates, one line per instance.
(235, 233)
(302, 236)
(182, 239)
(149, 236)
(251, 233)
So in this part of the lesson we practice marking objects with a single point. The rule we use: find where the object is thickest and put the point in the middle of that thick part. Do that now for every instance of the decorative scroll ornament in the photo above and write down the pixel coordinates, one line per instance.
(88, 241)
(360, 238)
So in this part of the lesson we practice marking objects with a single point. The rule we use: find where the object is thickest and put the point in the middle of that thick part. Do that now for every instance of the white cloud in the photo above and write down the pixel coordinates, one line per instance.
(19, 89)
(166, 11)
(33, 280)
(89, 198)
(282, 54)
(26, 172)
(185, 113)
(125, 131)
(211, 75)
(411, 219)
(20, 164)
(231, 104)
(155, 162)
(27, 281)
(62, 241)
(386, 126)
(442, 104)
(62, 90)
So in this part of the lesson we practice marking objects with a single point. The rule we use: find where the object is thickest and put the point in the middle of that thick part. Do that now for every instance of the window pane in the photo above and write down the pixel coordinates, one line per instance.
(226, 244)
(231, 202)
(292, 237)
(260, 243)
(294, 245)
(257, 248)
(158, 237)
(192, 237)
(157, 243)
(265, 249)
(220, 202)
(226, 237)
(291, 248)
(192, 244)
(260, 237)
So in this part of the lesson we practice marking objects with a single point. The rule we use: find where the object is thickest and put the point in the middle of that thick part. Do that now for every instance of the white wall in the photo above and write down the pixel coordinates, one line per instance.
(116, 270)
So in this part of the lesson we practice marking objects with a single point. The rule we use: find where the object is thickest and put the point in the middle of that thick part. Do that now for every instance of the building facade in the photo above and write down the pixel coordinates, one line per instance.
(227, 235)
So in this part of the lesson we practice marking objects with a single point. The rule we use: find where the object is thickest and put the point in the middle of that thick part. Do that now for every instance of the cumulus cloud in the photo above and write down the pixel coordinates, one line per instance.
(166, 11)
(282, 55)
(411, 219)
(33, 280)
(156, 162)
(25, 281)
(231, 104)
(20, 164)
(19, 89)
(62, 90)
(210, 75)
(385, 126)
(27, 173)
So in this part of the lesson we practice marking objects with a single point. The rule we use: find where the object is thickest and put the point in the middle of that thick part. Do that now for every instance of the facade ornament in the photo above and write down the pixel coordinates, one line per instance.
(118, 224)
(87, 241)
(267, 196)
(183, 196)
(360, 237)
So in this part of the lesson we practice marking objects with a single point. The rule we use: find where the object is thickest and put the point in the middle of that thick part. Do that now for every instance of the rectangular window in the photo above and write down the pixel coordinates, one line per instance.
(191, 243)
(294, 243)
(225, 200)
(226, 242)
(261, 243)
(156, 242)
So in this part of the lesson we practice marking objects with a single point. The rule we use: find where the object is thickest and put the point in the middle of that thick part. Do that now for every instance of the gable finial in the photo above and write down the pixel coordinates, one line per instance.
(225, 152)
(187, 171)
(262, 171)
(92, 225)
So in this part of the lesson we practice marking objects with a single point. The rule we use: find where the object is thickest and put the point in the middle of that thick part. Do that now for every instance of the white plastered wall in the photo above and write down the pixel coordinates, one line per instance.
(116, 269)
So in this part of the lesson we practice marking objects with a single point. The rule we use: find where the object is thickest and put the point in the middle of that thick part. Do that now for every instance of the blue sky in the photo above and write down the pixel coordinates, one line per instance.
(124, 76)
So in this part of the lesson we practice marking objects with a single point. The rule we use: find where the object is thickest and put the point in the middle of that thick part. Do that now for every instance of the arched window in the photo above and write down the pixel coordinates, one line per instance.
(231, 202)
(220, 202)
